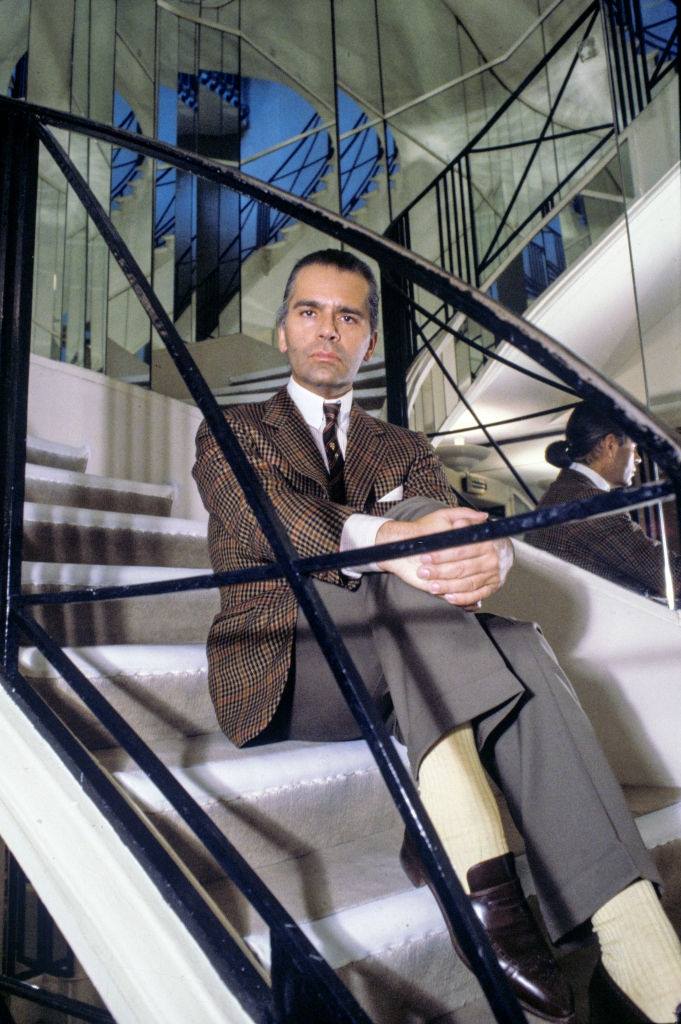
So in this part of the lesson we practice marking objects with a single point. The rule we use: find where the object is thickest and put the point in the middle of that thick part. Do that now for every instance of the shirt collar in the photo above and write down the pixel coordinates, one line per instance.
(311, 406)
(591, 475)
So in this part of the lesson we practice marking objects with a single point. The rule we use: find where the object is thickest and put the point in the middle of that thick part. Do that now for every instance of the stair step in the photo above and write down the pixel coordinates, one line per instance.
(387, 940)
(282, 372)
(57, 533)
(160, 689)
(234, 396)
(52, 485)
(256, 387)
(51, 453)
(164, 619)
(273, 802)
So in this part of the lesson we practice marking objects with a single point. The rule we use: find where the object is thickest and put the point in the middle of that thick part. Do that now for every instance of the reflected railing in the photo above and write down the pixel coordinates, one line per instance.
(475, 217)
(299, 973)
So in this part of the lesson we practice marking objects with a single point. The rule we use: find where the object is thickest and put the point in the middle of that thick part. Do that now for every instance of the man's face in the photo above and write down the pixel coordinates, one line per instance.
(623, 464)
(326, 334)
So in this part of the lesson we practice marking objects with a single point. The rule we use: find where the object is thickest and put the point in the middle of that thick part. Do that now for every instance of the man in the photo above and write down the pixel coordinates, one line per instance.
(597, 456)
(466, 689)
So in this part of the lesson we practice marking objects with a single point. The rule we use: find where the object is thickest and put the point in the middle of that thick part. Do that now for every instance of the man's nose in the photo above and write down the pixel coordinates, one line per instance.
(327, 327)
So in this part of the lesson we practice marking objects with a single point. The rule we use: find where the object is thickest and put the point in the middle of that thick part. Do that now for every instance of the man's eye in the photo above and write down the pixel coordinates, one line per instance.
(307, 312)
(348, 318)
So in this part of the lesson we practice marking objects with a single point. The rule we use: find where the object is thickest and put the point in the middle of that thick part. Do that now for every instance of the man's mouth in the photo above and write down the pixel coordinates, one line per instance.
(325, 357)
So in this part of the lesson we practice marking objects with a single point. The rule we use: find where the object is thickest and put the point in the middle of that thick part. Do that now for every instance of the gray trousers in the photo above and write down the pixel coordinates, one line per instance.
(439, 667)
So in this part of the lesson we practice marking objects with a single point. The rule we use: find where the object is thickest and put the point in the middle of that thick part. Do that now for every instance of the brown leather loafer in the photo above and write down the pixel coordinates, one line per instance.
(524, 957)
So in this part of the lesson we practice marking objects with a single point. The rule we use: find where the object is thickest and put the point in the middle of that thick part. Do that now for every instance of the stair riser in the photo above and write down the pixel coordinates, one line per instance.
(288, 821)
(74, 459)
(94, 545)
(156, 708)
(166, 619)
(415, 982)
(52, 492)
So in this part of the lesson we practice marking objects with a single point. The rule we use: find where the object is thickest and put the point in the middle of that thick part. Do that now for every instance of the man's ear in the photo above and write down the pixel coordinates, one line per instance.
(372, 345)
(611, 444)
(281, 339)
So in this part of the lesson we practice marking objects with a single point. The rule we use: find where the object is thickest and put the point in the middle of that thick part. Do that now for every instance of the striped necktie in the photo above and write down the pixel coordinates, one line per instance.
(334, 455)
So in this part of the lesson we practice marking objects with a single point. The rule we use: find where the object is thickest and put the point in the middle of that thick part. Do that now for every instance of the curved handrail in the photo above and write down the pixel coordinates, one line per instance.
(395, 259)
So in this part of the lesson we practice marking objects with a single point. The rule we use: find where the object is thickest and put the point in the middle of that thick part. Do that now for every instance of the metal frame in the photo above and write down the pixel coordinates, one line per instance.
(293, 958)
(453, 187)
(452, 191)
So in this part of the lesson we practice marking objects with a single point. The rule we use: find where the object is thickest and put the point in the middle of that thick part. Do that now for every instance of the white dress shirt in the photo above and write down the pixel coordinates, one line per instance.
(596, 479)
(360, 530)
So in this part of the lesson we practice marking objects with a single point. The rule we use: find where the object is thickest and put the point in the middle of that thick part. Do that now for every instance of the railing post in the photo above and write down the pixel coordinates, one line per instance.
(18, 192)
(398, 333)
(295, 997)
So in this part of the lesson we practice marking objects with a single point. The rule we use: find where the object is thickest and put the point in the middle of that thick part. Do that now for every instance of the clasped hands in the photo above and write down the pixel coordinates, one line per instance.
(463, 576)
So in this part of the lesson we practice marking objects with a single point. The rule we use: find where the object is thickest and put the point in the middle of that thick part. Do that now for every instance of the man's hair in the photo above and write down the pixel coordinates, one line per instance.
(341, 261)
(585, 428)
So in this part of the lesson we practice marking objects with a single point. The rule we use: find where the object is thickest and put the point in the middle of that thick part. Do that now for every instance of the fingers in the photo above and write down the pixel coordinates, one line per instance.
(465, 584)
(471, 601)
(459, 517)
(475, 560)
(460, 554)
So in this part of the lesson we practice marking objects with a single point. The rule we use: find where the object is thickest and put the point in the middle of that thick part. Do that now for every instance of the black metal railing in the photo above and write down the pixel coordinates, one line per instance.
(303, 986)
(474, 233)
(454, 202)
(643, 51)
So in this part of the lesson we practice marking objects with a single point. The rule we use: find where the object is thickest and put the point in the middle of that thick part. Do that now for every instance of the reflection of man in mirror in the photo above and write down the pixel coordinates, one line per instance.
(471, 693)
(597, 455)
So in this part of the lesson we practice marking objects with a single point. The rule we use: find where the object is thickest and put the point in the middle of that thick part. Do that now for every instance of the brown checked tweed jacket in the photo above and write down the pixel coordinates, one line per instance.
(251, 640)
(612, 546)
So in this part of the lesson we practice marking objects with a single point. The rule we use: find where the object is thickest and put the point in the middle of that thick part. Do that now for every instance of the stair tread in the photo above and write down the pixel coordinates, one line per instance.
(237, 386)
(104, 519)
(76, 478)
(40, 451)
(284, 371)
(212, 765)
(354, 901)
(109, 660)
(237, 397)
(84, 574)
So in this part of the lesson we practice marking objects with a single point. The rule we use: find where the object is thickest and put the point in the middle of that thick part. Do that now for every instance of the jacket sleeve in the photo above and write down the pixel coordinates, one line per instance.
(426, 476)
(622, 545)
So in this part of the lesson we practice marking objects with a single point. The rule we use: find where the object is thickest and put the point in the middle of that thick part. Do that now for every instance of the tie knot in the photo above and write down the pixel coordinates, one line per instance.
(331, 411)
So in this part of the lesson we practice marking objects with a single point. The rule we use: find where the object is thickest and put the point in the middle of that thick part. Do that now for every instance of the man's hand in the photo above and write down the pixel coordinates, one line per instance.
(463, 576)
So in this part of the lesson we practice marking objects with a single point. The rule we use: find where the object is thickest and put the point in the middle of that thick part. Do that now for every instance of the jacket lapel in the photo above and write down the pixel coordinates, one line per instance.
(293, 438)
(362, 457)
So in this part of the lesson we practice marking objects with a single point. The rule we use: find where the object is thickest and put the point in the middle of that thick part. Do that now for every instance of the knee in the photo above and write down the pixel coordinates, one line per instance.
(414, 508)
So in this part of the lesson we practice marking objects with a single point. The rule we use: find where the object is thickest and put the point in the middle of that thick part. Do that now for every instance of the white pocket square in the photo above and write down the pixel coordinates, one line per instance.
(396, 494)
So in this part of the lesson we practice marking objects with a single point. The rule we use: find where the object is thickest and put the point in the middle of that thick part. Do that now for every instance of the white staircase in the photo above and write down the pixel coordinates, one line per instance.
(315, 819)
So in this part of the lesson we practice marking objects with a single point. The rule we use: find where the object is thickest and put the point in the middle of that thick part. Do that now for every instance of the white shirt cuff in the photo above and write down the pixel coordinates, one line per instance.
(360, 532)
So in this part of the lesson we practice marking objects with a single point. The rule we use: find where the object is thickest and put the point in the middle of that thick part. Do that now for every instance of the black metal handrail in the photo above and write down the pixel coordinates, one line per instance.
(529, 339)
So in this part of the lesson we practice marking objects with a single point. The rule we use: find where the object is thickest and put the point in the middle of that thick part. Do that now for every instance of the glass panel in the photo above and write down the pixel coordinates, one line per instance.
(70, 309)
(368, 150)
(289, 139)
(132, 189)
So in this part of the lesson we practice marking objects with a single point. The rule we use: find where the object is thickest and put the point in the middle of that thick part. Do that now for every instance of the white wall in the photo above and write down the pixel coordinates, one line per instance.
(132, 433)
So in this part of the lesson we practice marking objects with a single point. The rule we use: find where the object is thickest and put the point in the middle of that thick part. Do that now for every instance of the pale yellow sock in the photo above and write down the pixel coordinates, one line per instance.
(641, 951)
(461, 805)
